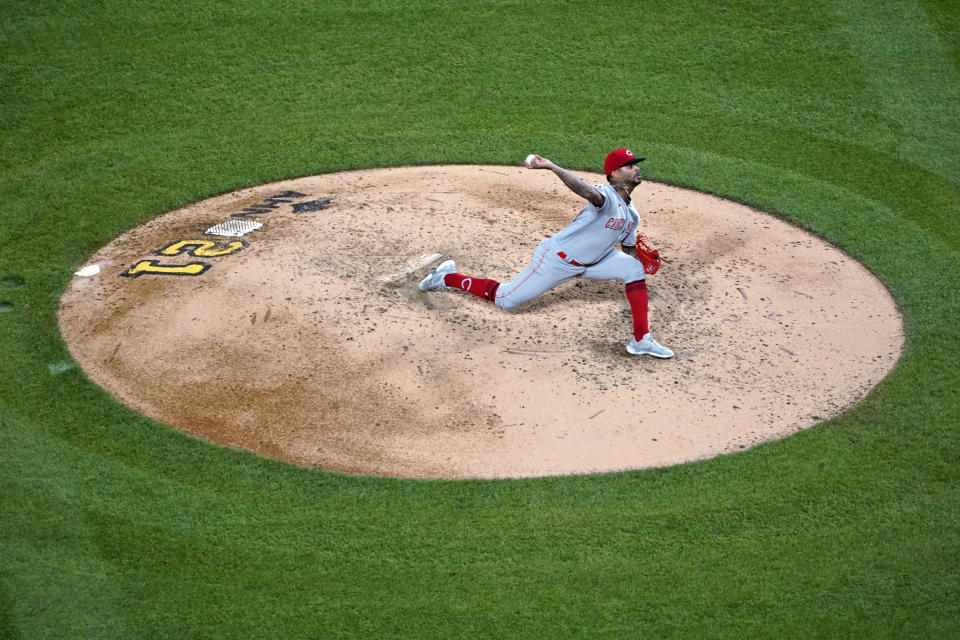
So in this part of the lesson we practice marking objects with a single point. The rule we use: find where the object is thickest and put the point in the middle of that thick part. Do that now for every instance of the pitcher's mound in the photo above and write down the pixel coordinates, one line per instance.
(286, 319)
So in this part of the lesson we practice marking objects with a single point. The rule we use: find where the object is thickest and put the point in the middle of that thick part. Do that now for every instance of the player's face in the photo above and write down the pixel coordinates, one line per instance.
(628, 175)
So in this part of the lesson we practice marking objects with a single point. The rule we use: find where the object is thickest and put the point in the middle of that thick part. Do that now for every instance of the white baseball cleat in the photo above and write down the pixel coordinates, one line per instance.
(647, 346)
(434, 280)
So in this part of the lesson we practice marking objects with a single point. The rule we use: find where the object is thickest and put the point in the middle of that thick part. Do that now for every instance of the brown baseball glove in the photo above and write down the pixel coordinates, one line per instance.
(649, 256)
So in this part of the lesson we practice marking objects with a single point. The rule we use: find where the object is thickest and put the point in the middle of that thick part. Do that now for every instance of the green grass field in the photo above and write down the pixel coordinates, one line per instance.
(842, 116)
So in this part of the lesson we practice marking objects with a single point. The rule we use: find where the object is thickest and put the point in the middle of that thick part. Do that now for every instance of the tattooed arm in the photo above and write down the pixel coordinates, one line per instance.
(575, 184)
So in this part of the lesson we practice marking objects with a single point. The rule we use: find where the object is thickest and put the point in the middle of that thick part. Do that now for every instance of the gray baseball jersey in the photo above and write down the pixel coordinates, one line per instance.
(597, 230)
(585, 248)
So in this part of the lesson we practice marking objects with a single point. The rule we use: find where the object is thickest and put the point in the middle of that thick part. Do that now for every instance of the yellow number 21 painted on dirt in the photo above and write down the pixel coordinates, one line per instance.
(196, 248)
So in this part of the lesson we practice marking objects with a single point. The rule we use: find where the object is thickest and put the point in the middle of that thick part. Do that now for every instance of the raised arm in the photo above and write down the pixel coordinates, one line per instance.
(575, 184)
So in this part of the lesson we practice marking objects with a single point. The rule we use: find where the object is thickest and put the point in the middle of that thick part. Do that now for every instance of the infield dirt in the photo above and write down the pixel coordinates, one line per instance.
(308, 340)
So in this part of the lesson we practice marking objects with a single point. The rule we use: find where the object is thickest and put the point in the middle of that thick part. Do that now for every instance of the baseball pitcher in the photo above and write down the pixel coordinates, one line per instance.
(584, 248)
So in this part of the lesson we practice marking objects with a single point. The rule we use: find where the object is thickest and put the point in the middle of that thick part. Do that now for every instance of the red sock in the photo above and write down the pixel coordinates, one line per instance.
(637, 297)
(480, 287)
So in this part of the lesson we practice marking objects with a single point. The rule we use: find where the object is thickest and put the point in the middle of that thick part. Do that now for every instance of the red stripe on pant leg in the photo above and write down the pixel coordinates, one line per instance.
(480, 287)
(637, 297)
(518, 282)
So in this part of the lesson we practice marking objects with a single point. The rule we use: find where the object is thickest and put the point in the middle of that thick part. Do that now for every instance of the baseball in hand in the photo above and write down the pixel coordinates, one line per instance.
(528, 162)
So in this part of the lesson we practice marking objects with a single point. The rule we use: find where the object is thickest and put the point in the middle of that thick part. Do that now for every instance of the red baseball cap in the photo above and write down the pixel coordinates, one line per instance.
(619, 158)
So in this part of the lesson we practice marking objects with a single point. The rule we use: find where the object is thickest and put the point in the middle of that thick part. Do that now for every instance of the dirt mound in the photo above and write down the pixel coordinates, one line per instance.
(307, 338)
